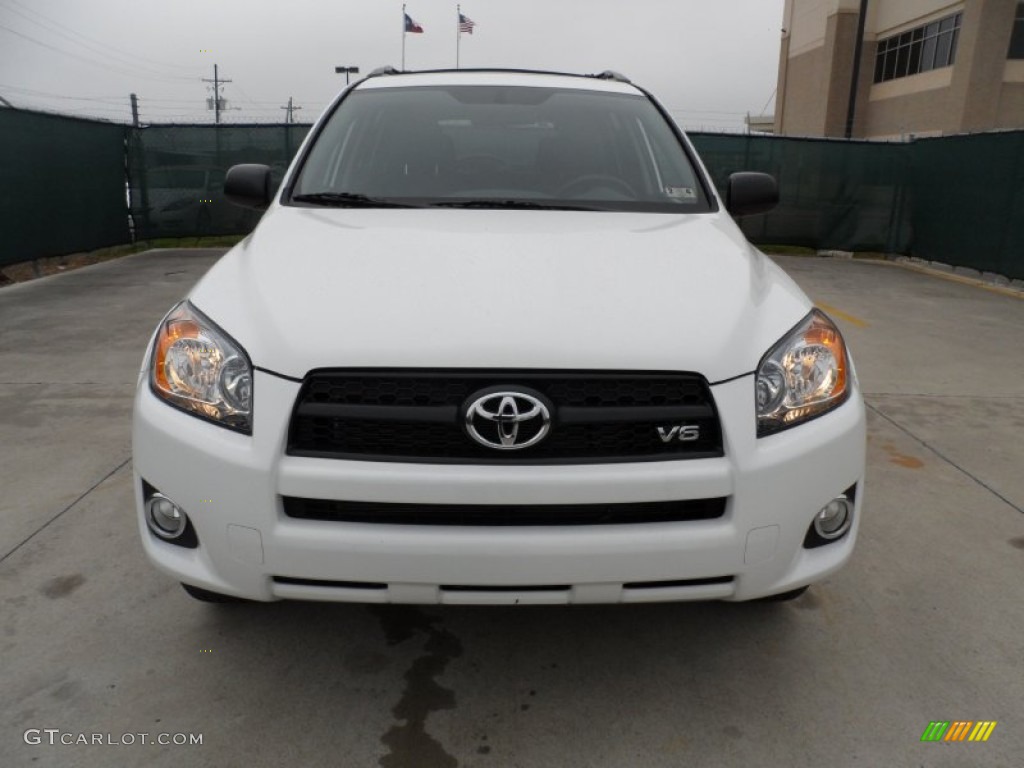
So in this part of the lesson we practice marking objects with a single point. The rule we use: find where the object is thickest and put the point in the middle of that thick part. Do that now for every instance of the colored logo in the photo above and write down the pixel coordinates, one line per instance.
(958, 730)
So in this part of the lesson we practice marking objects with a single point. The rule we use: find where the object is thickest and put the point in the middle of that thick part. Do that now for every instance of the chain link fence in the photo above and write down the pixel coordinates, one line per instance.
(70, 185)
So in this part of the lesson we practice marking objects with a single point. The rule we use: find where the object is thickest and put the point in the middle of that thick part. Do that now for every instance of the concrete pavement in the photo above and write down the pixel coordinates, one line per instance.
(925, 624)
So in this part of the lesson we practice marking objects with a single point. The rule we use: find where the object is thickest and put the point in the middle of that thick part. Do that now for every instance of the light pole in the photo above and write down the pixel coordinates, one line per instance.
(348, 71)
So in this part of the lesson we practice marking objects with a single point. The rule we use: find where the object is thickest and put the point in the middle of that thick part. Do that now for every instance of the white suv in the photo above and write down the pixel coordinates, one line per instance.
(497, 339)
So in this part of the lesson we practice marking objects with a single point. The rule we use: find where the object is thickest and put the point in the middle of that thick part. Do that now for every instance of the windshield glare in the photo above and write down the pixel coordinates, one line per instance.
(450, 144)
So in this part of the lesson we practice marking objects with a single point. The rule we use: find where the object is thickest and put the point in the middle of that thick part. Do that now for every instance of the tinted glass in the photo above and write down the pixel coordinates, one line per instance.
(928, 55)
(890, 66)
(1017, 38)
(919, 50)
(942, 50)
(915, 59)
(445, 144)
(901, 62)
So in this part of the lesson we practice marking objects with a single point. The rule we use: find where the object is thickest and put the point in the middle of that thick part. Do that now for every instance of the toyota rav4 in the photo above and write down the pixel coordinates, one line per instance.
(497, 339)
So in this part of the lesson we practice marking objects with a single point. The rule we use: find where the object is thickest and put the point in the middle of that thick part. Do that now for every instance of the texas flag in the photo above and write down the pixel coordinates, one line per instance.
(412, 26)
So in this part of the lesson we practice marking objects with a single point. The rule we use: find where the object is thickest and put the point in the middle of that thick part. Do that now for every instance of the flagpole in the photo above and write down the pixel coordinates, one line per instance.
(458, 33)
(403, 37)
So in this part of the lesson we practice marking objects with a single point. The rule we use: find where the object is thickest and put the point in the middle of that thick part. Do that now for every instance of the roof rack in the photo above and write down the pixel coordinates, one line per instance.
(608, 74)
(611, 74)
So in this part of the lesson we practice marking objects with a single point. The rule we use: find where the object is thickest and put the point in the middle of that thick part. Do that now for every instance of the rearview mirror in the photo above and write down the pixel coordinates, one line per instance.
(248, 185)
(750, 193)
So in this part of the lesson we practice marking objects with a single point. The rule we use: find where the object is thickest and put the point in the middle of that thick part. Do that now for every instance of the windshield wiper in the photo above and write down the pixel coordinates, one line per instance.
(349, 200)
(526, 204)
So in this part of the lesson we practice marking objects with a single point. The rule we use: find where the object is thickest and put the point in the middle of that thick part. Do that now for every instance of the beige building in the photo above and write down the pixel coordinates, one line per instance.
(927, 68)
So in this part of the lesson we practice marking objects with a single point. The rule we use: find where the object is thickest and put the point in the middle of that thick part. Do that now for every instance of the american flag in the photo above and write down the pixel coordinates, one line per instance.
(466, 24)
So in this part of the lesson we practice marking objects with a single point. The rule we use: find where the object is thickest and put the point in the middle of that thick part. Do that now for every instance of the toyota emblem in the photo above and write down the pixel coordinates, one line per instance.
(508, 421)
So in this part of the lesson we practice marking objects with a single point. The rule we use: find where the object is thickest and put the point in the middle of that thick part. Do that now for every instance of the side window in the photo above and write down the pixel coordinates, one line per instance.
(1017, 37)
(923, 49)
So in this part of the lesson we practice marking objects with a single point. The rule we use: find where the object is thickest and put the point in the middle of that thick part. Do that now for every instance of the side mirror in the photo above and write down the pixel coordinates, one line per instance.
(751, 193)
(248, 185)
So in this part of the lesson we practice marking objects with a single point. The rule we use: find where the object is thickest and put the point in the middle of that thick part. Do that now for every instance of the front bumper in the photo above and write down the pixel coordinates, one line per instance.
(231, 487)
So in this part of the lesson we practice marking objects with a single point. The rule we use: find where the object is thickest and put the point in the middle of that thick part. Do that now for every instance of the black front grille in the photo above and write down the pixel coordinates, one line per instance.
(417, 416)
(503, 514)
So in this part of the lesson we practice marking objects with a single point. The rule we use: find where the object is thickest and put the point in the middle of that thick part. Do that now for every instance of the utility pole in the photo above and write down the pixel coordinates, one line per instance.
(290, 109)
(218, 83)
(138, 209)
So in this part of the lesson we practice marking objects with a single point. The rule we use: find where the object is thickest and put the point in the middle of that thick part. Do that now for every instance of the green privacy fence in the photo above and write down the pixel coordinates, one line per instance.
(62, 185)
(176, 174)
(969, 201)
(954, 199)
(834, 195)
(958, 200)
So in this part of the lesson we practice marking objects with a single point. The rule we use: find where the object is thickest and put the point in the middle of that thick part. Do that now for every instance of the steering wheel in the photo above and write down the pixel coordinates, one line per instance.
(592, 180)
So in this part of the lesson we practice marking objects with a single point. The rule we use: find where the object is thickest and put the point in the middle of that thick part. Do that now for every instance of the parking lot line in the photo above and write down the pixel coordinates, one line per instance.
(836, 312)
(951, 277)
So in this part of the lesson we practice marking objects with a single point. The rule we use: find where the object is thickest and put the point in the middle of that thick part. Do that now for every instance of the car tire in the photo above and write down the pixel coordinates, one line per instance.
(783, 597)
(206, 596)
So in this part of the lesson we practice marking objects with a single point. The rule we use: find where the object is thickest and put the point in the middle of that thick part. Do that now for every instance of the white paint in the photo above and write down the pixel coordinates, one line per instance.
(512, 289)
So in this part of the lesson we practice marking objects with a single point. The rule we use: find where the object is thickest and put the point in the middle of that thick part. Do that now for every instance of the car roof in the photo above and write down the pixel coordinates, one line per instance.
(607, 82)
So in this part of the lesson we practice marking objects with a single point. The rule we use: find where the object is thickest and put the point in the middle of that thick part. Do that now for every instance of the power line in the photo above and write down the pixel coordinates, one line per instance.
(133, 57)
(95, 63)
(129, 61)
(33, 92)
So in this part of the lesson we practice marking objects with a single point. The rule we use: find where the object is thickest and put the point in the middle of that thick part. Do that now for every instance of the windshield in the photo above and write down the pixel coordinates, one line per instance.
(500, 146)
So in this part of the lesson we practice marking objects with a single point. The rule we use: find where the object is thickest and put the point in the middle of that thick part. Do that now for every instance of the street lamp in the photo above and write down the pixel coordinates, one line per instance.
(348, 71)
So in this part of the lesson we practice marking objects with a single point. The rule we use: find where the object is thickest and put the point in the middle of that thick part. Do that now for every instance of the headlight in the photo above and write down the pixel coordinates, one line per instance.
(803, 376)
(200, 369)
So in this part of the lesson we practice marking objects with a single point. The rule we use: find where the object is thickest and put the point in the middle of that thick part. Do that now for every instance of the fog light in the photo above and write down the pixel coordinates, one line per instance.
(165, 518)
(833, 520)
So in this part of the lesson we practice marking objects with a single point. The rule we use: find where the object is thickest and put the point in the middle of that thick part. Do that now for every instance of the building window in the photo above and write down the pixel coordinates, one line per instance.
(926, 48)
(1017, 38)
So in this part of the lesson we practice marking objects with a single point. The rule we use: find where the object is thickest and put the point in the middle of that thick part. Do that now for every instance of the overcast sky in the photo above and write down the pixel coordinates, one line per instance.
(709, 61)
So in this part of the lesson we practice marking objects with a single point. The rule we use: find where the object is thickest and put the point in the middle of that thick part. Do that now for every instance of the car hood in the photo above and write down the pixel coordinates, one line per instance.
(323, 287)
